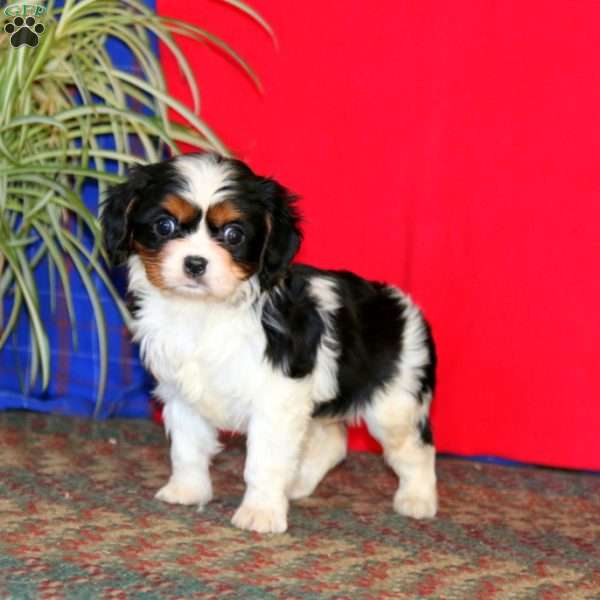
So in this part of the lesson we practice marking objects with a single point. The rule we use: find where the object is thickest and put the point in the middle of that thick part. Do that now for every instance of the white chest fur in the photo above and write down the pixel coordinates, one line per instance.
(209, 354)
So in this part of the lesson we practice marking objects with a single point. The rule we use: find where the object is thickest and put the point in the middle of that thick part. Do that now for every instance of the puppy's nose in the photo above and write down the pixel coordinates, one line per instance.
(194, 266)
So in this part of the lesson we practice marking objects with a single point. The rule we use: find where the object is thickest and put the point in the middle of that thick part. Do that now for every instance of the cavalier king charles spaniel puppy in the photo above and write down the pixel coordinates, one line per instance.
(240, 339)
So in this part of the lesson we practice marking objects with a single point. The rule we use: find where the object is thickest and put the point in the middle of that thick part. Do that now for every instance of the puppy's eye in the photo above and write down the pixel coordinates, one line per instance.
(164, 227)
(233, 235)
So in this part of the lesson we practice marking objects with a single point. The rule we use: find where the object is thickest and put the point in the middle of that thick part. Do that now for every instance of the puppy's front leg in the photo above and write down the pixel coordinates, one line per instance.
(275, 436)
(193, 443)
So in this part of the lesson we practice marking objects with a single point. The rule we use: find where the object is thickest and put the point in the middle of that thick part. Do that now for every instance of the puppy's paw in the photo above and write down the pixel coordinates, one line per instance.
(262, 519)
(417, 507)
(178, 492)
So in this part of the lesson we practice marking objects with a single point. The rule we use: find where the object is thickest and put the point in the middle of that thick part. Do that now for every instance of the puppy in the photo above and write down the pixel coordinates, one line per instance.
(240, 339)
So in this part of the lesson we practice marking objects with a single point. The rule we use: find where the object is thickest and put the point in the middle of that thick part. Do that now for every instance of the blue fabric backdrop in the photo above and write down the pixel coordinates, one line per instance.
(75, 369)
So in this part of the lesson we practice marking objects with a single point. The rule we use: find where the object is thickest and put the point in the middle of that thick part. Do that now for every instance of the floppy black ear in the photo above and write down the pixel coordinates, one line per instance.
(283, 232)
(114, 217)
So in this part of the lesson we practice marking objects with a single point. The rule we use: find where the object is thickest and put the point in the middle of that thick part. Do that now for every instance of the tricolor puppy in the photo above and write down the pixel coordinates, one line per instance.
(240, 339)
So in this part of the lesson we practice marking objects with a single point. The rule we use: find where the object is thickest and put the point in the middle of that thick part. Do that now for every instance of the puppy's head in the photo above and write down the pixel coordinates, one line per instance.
(201, 225)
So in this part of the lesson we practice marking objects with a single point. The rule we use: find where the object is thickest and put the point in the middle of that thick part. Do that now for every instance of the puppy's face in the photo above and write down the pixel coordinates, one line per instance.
(201, 225)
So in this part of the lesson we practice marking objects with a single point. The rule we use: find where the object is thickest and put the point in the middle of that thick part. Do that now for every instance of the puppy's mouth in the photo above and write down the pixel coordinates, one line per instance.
(193, 287)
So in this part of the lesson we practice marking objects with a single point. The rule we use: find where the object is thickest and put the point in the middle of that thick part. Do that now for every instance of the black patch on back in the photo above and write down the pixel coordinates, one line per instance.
(368, 326)
(293, 326)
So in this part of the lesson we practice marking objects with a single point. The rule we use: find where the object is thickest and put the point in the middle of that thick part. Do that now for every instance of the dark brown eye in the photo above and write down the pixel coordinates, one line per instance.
(233, 235)
(164, 227)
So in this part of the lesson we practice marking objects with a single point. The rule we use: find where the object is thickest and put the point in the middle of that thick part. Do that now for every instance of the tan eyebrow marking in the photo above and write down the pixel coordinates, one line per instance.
(182, 210)
(221, 213)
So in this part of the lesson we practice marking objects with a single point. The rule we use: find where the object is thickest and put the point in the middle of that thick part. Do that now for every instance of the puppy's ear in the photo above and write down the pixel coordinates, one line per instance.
(283, 232)
(115, 215)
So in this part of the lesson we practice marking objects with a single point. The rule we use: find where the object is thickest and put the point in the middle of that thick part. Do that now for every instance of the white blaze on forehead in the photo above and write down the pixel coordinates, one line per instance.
(204, 177)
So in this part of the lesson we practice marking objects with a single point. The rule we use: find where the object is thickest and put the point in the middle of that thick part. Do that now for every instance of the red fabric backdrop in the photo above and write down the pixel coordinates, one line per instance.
(452, 148)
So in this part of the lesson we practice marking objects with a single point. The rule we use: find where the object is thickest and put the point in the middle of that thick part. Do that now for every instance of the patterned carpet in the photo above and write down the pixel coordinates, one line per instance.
(77, 520)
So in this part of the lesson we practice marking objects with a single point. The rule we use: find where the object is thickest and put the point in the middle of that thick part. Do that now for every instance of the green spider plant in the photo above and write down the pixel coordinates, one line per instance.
(56, 102)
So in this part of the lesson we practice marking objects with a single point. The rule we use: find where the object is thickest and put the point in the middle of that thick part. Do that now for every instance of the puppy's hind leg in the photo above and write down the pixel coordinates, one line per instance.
(193, 444)
(401, 425)
(324, 447)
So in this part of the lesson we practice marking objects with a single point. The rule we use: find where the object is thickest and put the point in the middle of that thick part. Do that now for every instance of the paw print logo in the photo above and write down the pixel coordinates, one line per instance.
(24, 32)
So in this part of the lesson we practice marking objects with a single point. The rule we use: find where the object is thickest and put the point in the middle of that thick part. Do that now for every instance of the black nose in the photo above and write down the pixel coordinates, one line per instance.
(194, 266)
